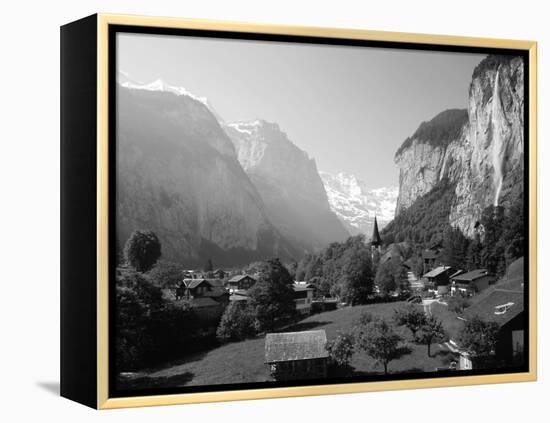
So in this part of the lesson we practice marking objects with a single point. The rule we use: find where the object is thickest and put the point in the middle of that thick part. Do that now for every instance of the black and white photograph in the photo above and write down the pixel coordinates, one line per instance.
(291, 212)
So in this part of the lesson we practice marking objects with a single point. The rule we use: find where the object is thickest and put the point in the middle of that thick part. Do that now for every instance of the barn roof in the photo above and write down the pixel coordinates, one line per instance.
(240, 277)
(471, 276)
(437, 271)
(291, 346)
(193, 283)
(500, 307)
(238, 297)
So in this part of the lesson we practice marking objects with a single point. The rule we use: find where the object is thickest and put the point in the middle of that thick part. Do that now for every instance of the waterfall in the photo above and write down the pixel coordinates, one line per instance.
(497, 142)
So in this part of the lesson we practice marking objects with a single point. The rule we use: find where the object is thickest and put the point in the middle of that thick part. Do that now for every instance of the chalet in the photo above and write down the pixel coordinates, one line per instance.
(437, 279)
(207, 297)
(470, 283)
(504, 306)
(303, 297)
(219, 274)
(210, 288)
(430, 258)
(193, 274)
(240, 283)
(297, 355)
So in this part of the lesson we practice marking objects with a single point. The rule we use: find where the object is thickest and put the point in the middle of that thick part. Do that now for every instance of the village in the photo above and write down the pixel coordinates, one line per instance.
(453, 311)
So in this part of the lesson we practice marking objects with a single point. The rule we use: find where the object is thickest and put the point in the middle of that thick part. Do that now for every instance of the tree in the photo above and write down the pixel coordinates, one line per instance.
(340, 349)
(458, 304)
(385, 279)
(209, 267)
(166, 274)
(479, 337)
(142, 250)
(357, 283)
(492, 254)
(272, 296)
(514, 230)
(378, 340)
(431, 331)
(238, 322)
(455, 246)
(412, 317)
(473, 254)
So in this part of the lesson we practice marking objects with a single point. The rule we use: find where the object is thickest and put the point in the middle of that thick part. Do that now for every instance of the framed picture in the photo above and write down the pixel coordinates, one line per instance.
(257, 211)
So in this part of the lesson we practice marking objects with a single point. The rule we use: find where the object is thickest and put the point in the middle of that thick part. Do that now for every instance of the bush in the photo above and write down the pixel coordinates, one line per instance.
(147, 328)
(237, 323)
(458, 304)
(479, 337)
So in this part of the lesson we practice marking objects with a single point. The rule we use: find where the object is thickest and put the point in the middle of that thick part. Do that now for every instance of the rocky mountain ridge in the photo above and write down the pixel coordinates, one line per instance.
(356, 205)
(479, 150)
(288, 182)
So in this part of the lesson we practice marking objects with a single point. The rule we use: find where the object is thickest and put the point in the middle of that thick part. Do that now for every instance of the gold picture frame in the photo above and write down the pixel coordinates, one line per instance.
(103, 400)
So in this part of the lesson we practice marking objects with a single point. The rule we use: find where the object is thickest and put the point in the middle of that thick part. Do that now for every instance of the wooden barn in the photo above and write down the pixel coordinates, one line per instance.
(241, 282)
(297, 355)
(470, 283)
(438, 279)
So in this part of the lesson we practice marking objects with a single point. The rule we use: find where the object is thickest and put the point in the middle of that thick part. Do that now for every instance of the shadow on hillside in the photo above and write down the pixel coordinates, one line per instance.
(298, 327)
(175, 362)
(155, 382)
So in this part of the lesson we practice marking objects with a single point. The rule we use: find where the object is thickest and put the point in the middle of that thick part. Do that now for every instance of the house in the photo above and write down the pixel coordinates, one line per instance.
(297, 355)
(211, 288)
(207, 297)
(430, 259)
(193, 274)
(470, 283)
(303, 297)
(219, 274)
(504, 306)
(437, 279)
(240, 283)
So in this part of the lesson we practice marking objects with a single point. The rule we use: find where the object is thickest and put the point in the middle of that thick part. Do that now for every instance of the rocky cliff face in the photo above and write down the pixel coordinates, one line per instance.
(178, 174)
(480, 150)
(289, 184)
(356, 205)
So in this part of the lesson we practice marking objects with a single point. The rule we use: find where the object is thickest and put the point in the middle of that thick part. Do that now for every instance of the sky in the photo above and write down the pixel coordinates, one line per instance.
(349, 108)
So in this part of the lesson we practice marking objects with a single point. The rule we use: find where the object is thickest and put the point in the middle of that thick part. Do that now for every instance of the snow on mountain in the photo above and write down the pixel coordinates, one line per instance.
(126, 81)
(356, 205)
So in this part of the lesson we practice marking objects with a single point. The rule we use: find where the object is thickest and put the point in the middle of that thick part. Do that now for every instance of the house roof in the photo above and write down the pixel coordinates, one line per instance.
(299, 287)
(290, 346)
(430, 254)
(458, 272)
(193, 283)
(488, 309)
(240, 277)
(238, 297)
(471, 276)
(437, 271)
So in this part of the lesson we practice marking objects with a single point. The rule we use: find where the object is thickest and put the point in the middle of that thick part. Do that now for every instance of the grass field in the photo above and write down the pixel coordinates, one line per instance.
(448, 318)
(244, 361)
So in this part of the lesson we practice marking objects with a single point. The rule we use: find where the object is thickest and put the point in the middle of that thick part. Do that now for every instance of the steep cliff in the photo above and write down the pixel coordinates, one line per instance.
(178, 175)
(289, 184)
(479, 150)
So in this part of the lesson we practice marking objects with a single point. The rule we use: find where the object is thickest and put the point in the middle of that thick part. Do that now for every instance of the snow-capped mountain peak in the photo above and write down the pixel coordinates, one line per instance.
(356, 205)
(127, 81)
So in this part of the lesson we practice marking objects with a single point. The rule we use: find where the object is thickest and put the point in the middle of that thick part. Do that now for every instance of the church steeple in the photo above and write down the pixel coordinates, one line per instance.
(375, 241)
